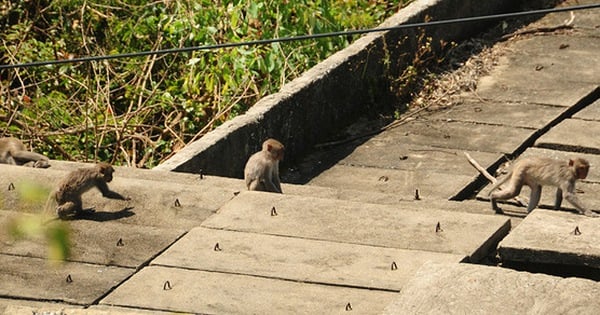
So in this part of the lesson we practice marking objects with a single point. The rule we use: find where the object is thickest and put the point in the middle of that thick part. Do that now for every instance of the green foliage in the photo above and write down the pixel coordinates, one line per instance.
(137, 111)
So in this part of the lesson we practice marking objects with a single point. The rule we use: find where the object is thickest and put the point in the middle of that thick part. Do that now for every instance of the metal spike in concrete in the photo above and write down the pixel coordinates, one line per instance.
(400, 183)
(109, 243)
(297, 259)
(360, 223)
(554, 237)
(77, 283)
(476, 289)
(194, 291)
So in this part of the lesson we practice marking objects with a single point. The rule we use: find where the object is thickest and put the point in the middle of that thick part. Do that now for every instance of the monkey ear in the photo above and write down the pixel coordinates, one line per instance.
(269, 147)
(571, 162)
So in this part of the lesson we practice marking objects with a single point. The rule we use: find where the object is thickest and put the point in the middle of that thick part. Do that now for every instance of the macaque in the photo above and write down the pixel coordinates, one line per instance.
(262, 169)
(536, 172)
(70, 189)
(13, 151)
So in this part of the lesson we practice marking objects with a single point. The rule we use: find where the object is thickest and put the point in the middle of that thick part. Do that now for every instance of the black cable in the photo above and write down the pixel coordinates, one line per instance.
(303, 37)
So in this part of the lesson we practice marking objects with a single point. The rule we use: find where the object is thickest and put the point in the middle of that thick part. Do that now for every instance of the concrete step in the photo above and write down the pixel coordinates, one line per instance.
(298, 259)
(476, 289)
(36, 279)
(550, 237)
(195, 291)
(413, 228)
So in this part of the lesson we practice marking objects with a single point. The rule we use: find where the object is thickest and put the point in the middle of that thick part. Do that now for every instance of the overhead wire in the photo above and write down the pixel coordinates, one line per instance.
(302, 37)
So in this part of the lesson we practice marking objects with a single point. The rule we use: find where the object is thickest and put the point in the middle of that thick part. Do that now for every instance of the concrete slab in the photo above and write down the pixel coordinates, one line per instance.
(572, 135)
(476, 289)
(400, 183)
(359, 223)
(457, 135)
(14, 306)
(203, 292)
(297, 259)
(515, 114)
(153, 202)
(98, 243)
(548, 237)
(375, 153)
(34, 278)
(71, 310)
(590, 112)
(547, 85)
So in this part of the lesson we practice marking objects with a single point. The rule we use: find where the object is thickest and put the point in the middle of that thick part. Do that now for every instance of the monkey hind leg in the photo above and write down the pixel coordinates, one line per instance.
(68, 209)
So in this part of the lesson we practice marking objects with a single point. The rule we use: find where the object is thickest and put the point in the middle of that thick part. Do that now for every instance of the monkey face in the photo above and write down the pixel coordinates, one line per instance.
(582, 172)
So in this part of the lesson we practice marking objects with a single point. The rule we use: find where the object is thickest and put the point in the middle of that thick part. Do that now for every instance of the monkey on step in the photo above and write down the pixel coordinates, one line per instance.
(13, 151)
(536, 172)
(70, 189)
(262, 169)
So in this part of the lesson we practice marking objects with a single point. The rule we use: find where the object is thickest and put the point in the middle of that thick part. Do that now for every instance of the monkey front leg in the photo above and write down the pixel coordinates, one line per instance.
(572, 199)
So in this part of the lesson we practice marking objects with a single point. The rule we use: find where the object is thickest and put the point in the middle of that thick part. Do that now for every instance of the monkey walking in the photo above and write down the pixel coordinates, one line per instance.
(13, 151)
(70, 189)
(262, 169)
(536, 172)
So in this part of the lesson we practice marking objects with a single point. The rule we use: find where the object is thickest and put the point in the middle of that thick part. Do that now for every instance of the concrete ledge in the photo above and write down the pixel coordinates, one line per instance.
(547, 237)
(473, 289)
(353, 82)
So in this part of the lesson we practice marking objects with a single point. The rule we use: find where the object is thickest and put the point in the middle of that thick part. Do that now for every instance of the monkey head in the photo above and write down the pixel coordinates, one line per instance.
(275, 148)
(106, 170)
(580, 166)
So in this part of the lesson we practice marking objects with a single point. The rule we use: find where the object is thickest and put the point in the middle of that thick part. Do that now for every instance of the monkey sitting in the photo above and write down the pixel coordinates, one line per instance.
(13, 151)
(536, 172)
(262, 169)
(70, 189)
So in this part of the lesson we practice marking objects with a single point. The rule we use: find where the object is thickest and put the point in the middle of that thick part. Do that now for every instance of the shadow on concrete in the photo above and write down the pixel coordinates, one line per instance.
(103, 216)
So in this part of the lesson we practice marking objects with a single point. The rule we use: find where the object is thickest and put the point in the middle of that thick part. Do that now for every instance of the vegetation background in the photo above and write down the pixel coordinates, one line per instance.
(138, 111)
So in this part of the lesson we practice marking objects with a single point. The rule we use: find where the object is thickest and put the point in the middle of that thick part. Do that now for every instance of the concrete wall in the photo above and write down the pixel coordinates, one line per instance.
(349, 84)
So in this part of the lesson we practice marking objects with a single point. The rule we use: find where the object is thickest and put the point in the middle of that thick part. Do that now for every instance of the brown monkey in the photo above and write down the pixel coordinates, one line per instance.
(13, 151)
(70, 189)
(262, 169)
(536, 172)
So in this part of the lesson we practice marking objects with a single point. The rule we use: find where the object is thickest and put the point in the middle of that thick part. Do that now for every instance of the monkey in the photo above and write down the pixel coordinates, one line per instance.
(70, 189)
(536, 172)
(13, 151)
(262, 169)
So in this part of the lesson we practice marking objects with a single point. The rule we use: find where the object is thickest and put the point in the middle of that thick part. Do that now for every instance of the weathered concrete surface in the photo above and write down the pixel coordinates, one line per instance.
(520, 115)
(196, 291)
(456, 135)
(544, 63)
(359, 223)
(71, 310)
(33, 278)
(353, 82)
(567, 136)
(411, 157)
(590, 112)
(13, 306)
(400, 183)
(548, 237)
(152, 202)
(298, 259)
(106, 243)
(473, 289)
